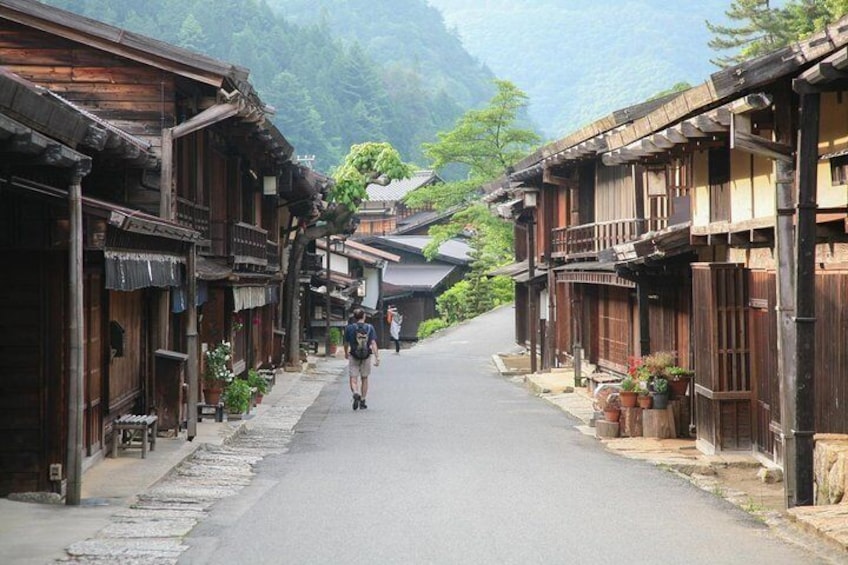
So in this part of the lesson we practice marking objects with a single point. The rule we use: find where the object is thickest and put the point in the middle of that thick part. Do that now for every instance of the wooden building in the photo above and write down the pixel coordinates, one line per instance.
(385, 213)
(712, 224)
(183, 205)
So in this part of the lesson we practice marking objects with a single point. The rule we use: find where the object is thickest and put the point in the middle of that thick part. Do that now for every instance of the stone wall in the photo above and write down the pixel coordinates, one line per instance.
(830, 467)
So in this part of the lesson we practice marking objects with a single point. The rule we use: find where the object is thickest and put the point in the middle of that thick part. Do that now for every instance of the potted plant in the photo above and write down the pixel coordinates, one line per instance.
(660, 392)
(611, 406)
(217, 374)
(645, 399)
(335, 339)
(629, 391)
(258, 384)
(237, 398)
(678, 380)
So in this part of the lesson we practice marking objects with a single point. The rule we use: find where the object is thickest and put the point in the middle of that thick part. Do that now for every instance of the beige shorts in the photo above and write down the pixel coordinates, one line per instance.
(360, 368)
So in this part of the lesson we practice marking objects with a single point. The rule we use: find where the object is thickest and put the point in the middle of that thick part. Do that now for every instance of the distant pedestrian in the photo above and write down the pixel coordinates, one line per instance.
(360, 343)
(395, 319)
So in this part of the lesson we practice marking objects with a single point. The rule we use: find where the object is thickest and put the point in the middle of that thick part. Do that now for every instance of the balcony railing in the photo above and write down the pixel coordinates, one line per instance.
(193, 216)
(273, 255)
(248, 244)
(590, 239)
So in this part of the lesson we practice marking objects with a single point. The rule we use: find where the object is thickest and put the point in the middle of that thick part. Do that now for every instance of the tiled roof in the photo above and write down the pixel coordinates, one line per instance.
(453, 250)
(397, 189)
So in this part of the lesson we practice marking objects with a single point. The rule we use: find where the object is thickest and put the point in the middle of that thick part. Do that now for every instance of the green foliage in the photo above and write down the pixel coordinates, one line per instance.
(364, 164)
(762, 28)
(218, 359)
(660, 385)
(330, 92)
(431, 326)
(237, 396)
(257, 381)
(335, 336)
(486, 141)
(452, 305)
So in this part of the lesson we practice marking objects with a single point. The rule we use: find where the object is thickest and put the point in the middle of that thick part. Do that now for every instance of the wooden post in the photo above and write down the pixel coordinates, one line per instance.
(192, 368)
(76, 337)
(785, 268)
(532, 297)
(803, 384)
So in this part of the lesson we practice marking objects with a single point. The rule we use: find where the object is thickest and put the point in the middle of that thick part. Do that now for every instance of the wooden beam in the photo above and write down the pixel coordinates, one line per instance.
(707, 125)
(757, 145)
(689, 129)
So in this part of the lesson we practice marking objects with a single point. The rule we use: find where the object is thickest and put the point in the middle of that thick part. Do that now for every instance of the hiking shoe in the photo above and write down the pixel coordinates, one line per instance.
(362, 405)
(357, 400)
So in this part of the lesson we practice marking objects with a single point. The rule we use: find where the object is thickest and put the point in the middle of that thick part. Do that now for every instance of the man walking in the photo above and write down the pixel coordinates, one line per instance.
(359, 344)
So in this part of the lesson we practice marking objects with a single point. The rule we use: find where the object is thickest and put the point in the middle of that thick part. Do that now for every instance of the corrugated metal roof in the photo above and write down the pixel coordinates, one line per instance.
(397, 189)
(416, 277)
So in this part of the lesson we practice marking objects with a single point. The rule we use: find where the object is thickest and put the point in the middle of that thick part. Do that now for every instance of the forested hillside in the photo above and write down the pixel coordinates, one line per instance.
(329, 93)
(580, 59)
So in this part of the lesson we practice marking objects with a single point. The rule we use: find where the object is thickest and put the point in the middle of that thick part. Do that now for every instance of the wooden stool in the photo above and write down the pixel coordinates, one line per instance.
(125, 428)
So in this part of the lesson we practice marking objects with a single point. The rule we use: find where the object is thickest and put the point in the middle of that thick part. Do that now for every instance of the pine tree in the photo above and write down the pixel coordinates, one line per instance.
(760, 29)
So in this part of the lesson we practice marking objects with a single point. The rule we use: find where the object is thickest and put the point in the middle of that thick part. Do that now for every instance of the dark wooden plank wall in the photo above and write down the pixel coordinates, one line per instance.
(23, 427)
(94, 384)
(722, 376)
(133, 96)
(564, 320)
(831, 352)
(522, 309)
(765, 380)
(126, 373)
(615, 327)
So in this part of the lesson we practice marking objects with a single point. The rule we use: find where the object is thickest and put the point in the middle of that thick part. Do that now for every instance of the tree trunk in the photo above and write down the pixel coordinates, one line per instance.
(335, 220)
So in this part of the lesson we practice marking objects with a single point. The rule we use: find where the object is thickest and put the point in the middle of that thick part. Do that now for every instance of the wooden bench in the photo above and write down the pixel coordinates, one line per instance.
(216, 410)
(594, 380)
(126, 429)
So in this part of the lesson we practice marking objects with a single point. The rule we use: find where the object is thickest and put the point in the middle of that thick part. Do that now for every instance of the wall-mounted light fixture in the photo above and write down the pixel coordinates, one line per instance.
(530, 197)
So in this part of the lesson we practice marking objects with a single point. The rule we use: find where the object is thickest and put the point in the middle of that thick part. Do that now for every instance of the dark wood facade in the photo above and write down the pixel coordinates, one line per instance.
(177, 161)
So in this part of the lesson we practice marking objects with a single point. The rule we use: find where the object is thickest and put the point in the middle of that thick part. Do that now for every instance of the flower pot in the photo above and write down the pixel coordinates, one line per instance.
(212, 395)
(612, 415)
(644, 401)
(660, 400)
(678, 387)
(628, 398)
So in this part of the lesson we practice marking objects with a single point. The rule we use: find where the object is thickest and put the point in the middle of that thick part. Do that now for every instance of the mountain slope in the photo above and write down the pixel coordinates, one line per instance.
(580, 59)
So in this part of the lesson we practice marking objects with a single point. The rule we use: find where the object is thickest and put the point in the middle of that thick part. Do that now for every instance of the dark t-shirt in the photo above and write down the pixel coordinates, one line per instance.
(350, 334)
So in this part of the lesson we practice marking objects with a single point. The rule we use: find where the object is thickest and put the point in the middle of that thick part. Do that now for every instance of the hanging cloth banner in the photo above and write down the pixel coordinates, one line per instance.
(247, 297)
(131, 270)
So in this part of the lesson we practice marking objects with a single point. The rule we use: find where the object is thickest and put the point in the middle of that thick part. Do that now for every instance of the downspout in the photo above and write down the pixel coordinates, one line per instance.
(76, 337)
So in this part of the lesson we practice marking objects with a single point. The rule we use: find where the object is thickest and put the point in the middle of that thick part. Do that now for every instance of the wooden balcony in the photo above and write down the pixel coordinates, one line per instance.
(273, 255)
(248, 245)
(193, 216)
(588, 240)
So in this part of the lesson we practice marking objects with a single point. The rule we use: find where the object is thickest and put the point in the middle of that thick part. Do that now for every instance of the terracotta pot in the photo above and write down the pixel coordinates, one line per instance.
(212, 395)
(612, 415)
(678, 387)
(628, 398)
(644, 401)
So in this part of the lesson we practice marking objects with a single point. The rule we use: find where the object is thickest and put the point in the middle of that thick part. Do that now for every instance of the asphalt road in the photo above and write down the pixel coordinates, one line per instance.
(452, 463)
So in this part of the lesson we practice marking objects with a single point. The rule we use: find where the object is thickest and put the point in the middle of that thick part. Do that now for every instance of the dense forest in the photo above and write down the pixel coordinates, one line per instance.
(578, 60)
(329, 93)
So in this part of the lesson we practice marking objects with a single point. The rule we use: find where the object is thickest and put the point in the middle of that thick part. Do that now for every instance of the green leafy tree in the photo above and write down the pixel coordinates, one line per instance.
(485, 141)
(366, 163)
(191, 34)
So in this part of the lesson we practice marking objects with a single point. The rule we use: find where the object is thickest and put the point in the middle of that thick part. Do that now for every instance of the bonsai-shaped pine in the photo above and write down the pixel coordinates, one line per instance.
(366, 163)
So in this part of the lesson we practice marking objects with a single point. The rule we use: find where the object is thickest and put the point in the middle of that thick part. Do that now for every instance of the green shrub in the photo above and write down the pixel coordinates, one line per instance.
(335, 336)
(431, 326)
(257, 381)
(237, 396)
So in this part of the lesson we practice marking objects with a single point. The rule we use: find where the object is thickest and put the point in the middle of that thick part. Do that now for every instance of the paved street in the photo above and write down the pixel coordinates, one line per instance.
(452, 463)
